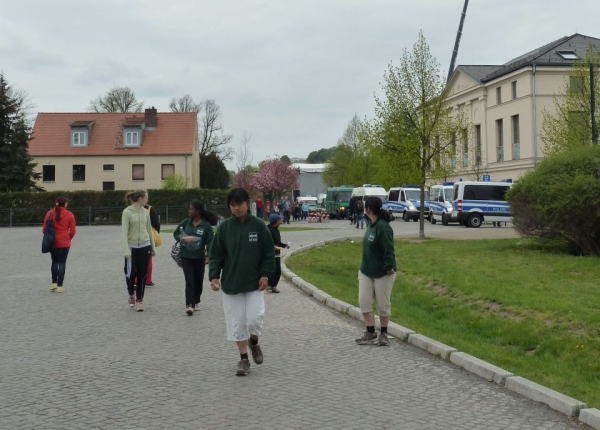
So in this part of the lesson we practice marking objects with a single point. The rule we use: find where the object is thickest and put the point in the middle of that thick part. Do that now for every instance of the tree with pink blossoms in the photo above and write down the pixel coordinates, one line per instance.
(243, 179)
(275, 179)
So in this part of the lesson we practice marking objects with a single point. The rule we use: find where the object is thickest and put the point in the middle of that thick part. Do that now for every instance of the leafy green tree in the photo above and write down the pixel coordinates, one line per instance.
(174, 181)
(414, 113)
(353, 160)
(571, 125)
(16, 165)
(117, 99)
(213, 173)
(323, 155)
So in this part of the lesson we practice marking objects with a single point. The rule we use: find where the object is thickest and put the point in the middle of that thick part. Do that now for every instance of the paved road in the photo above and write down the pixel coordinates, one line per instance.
(84, 360)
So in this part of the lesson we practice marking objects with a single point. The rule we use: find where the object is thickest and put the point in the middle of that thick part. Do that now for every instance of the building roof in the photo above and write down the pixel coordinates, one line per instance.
(547, 55)
(175, 134)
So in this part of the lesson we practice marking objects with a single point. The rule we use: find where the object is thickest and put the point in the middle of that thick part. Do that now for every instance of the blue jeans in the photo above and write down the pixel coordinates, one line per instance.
(58, 266)
(360, 220)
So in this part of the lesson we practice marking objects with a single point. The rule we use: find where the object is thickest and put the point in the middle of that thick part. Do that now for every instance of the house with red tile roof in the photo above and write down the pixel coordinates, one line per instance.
(115, 151)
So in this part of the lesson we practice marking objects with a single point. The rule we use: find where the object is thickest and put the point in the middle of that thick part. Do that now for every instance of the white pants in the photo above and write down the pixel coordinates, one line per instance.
(244, 314)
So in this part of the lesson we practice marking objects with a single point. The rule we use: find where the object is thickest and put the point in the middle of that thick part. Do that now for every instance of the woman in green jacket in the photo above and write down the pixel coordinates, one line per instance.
(195, 235)
(242, 257)
(377, 272)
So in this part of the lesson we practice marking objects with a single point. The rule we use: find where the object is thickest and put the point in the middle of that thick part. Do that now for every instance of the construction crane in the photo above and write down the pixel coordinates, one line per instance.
(457, 42)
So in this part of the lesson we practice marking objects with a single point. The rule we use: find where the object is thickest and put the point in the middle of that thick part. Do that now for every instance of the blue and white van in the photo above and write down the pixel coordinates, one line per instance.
(440, 202)
(477, 202)
(406, 202)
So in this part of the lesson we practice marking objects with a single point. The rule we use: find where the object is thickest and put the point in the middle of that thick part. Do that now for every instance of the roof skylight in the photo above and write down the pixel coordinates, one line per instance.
(568, 55)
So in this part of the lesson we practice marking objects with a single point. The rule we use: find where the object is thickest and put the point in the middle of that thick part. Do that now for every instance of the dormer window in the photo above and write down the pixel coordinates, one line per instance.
(132, 138)
(79, 138)
(80, 133)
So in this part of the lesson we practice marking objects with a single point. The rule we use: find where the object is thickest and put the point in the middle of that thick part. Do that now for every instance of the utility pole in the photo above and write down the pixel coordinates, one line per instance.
(457, 42)
(593, 105)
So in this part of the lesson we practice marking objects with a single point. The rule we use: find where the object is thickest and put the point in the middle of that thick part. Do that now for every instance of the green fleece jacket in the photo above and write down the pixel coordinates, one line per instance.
(203, 230)
(378, 250)
(241, 253)
(136, 229)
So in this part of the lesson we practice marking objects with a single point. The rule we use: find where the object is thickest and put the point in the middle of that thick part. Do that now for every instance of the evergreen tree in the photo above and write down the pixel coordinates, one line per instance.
(16, 165)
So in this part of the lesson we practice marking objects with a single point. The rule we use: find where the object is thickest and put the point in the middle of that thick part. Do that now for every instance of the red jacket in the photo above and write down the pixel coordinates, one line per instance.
(64, 229)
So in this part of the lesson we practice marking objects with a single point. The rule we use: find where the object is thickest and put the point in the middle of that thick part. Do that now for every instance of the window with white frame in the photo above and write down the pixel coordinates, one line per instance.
(513, 86)
(516, 147)
(499, 140)
(78, 138)
(132, 138)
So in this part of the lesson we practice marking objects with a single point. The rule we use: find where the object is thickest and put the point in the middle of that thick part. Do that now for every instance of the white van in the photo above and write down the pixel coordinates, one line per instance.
(311, 200)
(368, 190)
(476, 202)
(406, 202)
(440, 202)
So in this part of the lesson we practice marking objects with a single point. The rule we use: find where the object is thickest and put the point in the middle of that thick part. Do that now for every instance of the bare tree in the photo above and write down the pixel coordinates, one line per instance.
(117, 99)
(184, 104)
(244, 163)
(212, 138)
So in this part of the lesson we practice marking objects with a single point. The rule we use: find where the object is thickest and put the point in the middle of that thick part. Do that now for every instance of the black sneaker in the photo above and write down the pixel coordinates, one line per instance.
(257, 354)
(275, 290)
(243, 367)
(367, 339)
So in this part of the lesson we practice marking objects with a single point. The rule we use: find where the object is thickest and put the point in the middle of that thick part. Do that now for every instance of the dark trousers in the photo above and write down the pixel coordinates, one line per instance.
(59, 263)
(286, 217)
(193, 271)
(136, 267)
(274, 279)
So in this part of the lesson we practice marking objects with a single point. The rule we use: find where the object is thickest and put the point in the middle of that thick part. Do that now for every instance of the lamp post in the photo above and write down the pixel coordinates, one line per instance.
(593, 106)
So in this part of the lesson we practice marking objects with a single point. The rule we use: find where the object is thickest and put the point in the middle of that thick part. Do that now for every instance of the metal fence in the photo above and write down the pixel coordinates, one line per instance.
(15, 217)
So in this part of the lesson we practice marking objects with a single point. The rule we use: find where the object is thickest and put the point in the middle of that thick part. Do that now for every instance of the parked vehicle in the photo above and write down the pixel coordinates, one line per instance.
(440, 202)
(311, 200)
(477, 202)
(321, 200)
(368, 190)
(338, 200)
(405, 201)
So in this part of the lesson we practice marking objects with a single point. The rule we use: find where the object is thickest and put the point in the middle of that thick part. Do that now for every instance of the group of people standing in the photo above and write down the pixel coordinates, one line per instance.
(243, 258)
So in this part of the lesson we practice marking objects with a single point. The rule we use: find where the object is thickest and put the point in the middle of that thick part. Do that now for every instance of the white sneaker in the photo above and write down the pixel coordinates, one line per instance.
(189, 310)
(139, 307)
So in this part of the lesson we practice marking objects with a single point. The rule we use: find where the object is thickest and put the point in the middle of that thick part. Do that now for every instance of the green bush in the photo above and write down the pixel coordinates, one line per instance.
(105, 207)
(560, 200)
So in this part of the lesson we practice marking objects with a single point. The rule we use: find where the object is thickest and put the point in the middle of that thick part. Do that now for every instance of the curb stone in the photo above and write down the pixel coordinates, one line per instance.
(528, 389)
(480, 367)
(539, 393)
(590, 417)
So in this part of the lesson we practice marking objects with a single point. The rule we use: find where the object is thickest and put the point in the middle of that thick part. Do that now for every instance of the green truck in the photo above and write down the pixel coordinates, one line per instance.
(338, 200)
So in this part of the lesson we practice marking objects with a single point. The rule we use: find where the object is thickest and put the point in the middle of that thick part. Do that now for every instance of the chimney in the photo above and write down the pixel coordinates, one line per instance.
(150, 118)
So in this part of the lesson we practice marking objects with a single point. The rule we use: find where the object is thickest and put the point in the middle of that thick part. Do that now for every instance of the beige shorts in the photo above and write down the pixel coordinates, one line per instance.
(379, 289)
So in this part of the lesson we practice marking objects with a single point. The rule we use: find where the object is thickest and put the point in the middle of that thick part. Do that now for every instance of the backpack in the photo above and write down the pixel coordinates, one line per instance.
(360, 206)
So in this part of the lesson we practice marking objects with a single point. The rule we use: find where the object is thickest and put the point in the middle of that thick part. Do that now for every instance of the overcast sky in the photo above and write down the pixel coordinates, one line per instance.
(291, 74)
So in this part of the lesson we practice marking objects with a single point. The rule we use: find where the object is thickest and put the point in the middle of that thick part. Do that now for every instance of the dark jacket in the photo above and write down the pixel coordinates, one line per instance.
(241, 253)
(203, 230)
(378, 250)
(154, 218)
(352, 204)
(276, 236)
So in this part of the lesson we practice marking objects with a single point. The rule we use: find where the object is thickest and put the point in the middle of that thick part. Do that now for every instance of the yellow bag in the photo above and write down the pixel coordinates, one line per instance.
(155, 234)
(157, 238)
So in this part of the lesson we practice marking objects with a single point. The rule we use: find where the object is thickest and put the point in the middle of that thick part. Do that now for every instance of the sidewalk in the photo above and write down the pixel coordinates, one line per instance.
(84, 360)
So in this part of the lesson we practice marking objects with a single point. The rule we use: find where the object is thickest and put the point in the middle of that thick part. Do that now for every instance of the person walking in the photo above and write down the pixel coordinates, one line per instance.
(137, 242)
(64, 231)
(286, 210)
(195, 235)
(155, 222)
(274, 223)
(241, 260)
(377, 272)
(359, 213)
(259, 207)
(352, 209)
(304, 211)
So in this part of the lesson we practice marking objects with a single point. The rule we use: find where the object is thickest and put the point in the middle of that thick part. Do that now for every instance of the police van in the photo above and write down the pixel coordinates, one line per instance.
(476, 202)
(440, 202)
(406, 202)
(368, 190)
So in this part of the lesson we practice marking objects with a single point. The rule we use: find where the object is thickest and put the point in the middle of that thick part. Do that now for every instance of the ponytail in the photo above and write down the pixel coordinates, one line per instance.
(375, 205)
(60, 203)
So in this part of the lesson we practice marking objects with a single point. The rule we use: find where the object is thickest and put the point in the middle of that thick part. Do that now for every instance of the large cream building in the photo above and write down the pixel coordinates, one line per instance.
(114, 151)
(504, 104)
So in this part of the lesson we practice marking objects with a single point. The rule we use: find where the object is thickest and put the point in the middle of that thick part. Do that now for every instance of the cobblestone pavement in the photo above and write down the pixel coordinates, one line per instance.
(84, 360)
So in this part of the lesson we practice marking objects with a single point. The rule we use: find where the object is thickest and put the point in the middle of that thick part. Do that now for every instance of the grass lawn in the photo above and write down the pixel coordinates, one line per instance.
(532, 311)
